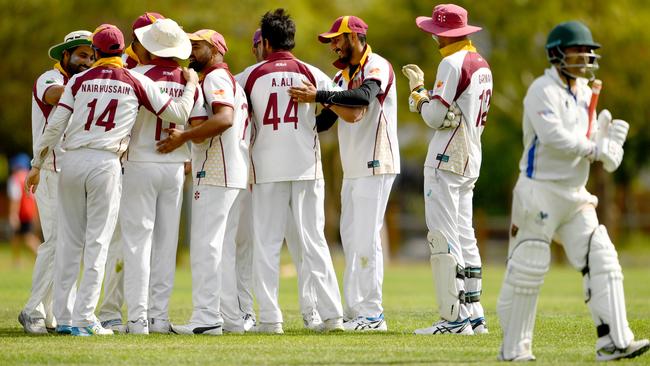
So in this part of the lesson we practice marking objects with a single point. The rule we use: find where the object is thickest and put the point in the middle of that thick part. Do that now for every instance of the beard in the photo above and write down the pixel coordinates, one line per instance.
(197, 65)
(73, 68)
(344, 52)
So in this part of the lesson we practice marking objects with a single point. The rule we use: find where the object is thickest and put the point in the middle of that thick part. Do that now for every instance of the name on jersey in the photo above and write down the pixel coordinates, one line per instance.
(282, 82)
(484, 78)
(114, 89)
(173, 92)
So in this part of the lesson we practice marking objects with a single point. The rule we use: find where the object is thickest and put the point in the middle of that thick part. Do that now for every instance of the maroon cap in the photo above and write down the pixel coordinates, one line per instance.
(344, 24)
(108, 39)
(146, 19)
(212, 37)
(257, 37)
(447, 20)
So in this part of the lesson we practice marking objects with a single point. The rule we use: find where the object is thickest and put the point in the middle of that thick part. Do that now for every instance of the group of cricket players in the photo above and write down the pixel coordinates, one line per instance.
(117, 128)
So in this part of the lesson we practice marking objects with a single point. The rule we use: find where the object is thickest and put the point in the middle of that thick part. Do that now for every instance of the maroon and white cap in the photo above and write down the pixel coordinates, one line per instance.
(344, 24)
(146, 19)
(447, 20)
(257, 37)
(108, 39)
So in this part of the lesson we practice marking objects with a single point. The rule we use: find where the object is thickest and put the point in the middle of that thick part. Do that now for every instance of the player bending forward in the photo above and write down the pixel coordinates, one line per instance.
(550, 201)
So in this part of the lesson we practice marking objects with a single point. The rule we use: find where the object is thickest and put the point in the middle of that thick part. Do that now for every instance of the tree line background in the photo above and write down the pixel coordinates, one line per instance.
(512, 40)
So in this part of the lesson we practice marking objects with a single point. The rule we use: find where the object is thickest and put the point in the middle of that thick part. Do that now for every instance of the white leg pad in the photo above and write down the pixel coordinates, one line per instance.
(446, 276)
(603, 284)
(517, 302)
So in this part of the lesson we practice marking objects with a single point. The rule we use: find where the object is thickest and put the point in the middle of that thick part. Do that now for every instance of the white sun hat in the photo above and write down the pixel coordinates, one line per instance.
(165, 38)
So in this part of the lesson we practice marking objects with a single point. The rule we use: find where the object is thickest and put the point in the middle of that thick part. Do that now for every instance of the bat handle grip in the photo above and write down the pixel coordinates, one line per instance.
(596, 86)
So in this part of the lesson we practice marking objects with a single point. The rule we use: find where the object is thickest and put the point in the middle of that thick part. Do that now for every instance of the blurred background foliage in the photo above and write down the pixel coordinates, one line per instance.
(512, 40)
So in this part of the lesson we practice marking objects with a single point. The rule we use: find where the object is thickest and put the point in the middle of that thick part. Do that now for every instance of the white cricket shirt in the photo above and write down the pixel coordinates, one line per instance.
(369, 146)
(285, 145)
(555, 127)
(41, 111)
(148, 128)
(223, 160)
(463, 77)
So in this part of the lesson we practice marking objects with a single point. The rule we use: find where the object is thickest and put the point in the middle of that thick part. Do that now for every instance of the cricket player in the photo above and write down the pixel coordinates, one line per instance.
(370, 157)
(456, 108)
(152, 184)
(220, 169)
(284, 131)
(97, 111)
(550, 201)
(72, 56)
(244, 250)
(110, 310)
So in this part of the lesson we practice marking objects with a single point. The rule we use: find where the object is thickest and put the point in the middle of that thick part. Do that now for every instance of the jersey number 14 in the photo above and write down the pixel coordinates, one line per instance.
(106, 118)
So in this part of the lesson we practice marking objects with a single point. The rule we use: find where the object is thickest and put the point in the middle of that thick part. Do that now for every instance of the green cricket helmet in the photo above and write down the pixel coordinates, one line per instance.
(572, 34)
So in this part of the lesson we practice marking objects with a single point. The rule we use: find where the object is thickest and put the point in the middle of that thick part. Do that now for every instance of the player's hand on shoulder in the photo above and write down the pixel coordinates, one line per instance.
(190, 76)
(173, 141)
(303, 94)
(32, 180)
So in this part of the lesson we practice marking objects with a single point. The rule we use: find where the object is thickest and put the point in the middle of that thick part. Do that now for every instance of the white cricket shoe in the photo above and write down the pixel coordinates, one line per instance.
(137, 327)
(91, 330)
(161, 326)
(269, 328)
(636, 348)
(32, 325)
(249, 322)
(479, 326)
(333, 325)
(213, 330)
(364, 324)
(115, 325)
(313, 321)
(462, 327)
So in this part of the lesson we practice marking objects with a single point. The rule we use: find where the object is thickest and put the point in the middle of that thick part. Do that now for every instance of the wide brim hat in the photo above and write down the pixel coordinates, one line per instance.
(447, 20)
(71, 40)
(165, 38)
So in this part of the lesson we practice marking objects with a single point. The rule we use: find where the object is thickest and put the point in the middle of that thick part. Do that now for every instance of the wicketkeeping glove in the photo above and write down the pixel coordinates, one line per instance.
(415, 76)
(417, 99)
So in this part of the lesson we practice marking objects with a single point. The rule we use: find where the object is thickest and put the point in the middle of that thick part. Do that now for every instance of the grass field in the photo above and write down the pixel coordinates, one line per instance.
(564, 333)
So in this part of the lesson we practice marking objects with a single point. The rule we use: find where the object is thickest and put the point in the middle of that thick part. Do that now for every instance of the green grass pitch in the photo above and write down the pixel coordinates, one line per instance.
(564, 333)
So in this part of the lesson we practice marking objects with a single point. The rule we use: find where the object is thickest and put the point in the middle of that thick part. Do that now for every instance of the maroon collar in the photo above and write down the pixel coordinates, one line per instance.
(280, 55)
(164, 62)
(209, 69)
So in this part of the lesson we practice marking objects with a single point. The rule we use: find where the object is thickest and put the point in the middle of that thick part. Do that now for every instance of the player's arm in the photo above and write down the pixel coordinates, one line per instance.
(220, 121)
(541, 110)
(350, 105)
(432, 109)
(53, 94)
(164, 106)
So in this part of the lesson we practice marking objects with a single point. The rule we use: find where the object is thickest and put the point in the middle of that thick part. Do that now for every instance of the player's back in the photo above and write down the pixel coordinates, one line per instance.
(105, 101)
(459, 149)
(285, 144)
(148, 128)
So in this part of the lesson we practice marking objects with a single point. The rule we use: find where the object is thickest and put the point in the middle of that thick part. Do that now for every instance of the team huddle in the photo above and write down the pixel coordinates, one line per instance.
(116, 128)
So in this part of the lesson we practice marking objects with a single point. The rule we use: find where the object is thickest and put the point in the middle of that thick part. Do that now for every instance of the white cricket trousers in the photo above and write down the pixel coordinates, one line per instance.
(111, 305)
(210, 210)
(89, 201)
(152, 194)
(363, 205)
(306, 202)
(448, 208)
(41, 296)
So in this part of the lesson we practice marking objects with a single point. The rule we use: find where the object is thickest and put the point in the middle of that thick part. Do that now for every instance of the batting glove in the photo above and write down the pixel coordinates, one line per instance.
(609, 145)
(415, 76)
(417, 99)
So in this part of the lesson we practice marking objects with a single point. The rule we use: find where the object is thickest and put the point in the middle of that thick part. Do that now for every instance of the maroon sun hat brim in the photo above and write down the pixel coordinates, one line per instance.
(428, 25)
